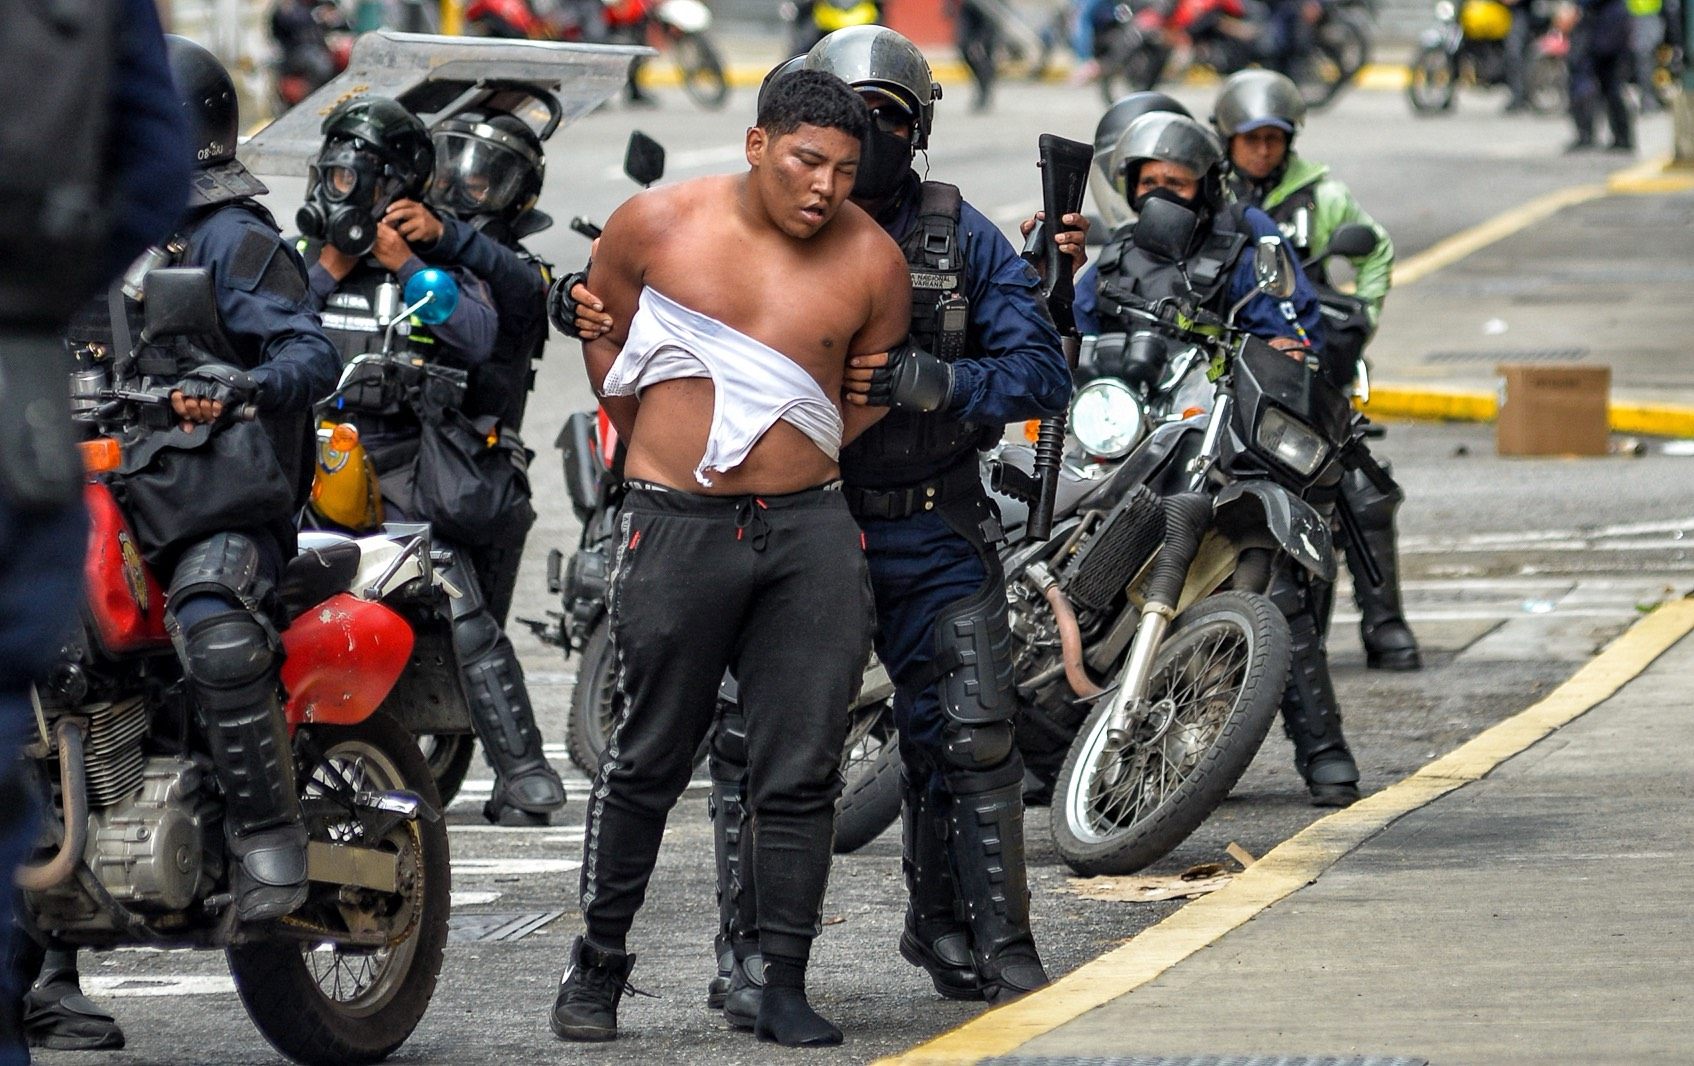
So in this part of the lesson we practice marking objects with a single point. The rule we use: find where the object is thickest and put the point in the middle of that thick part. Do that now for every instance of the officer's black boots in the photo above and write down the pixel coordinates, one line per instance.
(1389, 643)
(746, 986)
(526, 789)
(1311, 716)
(985, 845)
(586, 1007)
(728, 766)
(933, 939)
(785, 1017)
(57, 1016)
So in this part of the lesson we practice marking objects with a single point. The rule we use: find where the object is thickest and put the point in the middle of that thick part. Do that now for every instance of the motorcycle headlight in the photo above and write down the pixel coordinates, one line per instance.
(1290, 443)
(1107, 418)
(1445, 11)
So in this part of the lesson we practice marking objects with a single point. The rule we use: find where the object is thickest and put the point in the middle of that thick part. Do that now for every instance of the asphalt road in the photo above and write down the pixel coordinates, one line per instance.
(1517, 571)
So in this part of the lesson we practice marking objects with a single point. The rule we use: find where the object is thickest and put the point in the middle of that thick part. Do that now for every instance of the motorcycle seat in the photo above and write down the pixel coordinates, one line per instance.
(316, 574)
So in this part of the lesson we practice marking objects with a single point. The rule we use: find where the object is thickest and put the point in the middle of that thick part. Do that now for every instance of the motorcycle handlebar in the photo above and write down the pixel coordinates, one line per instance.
(586, 226)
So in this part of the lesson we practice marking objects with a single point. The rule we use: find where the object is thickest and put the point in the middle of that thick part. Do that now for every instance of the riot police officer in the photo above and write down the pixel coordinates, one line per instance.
(1113, 208)
(1258, 114)
(1171, 157)
(376, 153)
(489, 167)
(222, 611)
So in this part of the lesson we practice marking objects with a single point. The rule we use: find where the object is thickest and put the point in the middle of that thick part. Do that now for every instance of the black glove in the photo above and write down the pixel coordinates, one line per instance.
(220, 384)
(911, 380)
(561, 308)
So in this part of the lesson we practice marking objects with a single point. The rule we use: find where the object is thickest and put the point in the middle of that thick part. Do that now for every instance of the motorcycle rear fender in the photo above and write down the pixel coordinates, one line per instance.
(1249, 512)
(343, 658)
(429, 696)
(685, 16)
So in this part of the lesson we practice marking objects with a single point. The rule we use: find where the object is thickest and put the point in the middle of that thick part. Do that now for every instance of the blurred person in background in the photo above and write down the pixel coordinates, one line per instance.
(1600, 66)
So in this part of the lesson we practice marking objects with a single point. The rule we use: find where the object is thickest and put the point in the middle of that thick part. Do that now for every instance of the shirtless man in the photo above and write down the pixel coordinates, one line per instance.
(743, 297)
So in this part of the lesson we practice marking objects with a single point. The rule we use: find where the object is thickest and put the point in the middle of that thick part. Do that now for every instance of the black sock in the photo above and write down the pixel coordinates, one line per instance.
(786, 1017)
(783, 972)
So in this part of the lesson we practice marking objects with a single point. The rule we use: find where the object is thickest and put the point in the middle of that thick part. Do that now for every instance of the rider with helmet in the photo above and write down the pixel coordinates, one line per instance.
(376, 154)
(984, 353)
(1113, 208)
(488, 173)
(222, 610)
(1258, 114)
(1169, 157)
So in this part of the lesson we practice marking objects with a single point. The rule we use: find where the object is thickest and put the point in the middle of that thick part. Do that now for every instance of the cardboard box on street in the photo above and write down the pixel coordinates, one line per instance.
(1552, 409)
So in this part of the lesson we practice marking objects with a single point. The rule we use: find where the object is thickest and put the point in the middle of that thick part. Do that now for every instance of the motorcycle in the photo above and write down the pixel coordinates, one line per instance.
(1136, 49)
(681, 27)
(314, 42)
(1467, 46)
(810, 21)
(133, 836)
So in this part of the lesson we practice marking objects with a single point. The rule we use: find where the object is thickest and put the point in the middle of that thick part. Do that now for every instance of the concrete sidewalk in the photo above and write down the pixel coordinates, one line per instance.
(1495, 907)
(1594, 274)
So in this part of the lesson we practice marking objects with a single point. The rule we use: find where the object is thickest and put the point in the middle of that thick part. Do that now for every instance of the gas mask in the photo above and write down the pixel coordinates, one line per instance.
(348, 192)
(1161, 193)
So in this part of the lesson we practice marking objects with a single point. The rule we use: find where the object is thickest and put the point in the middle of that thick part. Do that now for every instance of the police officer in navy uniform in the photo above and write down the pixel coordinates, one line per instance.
(269, 352)
(984, 353)
(1168, 156)
(376, 153)
(489, 168)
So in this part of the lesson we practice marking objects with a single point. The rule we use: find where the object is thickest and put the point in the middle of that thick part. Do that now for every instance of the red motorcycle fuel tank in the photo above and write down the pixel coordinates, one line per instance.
(126, 607)
(344, 656)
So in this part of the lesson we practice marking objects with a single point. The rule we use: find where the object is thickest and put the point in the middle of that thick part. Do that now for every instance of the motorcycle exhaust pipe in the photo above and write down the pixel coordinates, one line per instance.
(1070, 634)
(73, 784)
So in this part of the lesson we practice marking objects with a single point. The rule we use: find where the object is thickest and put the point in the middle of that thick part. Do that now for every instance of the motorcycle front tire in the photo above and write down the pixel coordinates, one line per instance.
(1434, 81)
(279, 980)
(1240, 631)
(870, 801)
(702, 70)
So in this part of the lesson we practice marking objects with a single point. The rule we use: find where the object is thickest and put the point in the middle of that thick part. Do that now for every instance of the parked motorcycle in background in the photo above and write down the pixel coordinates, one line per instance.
(314, 41)
(1467, 47)
(809, 21)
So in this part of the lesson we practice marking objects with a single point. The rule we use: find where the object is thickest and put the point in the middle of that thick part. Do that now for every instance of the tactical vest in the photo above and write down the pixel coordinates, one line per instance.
(1295, 217)
(1130, 276)
(907, 447)
(501, 386)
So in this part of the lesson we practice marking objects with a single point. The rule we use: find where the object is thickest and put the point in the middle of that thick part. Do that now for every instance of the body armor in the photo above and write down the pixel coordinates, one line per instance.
(909, 446)
(1130, 276)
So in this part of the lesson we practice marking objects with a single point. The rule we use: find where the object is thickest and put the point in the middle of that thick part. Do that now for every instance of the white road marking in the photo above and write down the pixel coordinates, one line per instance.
(473, 899)
(102, 986)
(513, 867)
(568, 832)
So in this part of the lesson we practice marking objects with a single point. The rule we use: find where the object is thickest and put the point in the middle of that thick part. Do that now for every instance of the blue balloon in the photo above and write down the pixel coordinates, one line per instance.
(437, 283)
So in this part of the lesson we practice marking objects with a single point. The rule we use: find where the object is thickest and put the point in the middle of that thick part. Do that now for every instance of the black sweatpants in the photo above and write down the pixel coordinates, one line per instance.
(775, 589)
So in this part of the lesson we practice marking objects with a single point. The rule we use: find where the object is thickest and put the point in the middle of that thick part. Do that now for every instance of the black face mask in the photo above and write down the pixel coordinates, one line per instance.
(349, 192)
(883, 165)
(1162, 193)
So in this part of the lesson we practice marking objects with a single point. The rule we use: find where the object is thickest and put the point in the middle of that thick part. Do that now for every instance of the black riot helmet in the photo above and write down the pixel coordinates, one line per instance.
(374, 152)
(787, 66)
(1118, 117)
(487, 163)
(1172, 139)
(877, 58)
(1254, 99)
(207, 96)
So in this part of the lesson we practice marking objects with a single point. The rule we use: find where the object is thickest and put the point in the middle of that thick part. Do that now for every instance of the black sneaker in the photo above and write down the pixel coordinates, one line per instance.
(587, 1004)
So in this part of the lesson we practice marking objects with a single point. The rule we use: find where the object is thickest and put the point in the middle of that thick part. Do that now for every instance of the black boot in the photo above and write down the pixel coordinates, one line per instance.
(1389, 643)
(933, 939)
(586, 1007)
(728, 768)
(746, 986)
(526, 789)
(985, 846)
(1311, 716)
(57, 1016)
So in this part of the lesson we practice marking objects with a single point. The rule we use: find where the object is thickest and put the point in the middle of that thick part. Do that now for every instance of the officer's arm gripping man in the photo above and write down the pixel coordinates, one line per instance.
(260, 284)
(1014, 368)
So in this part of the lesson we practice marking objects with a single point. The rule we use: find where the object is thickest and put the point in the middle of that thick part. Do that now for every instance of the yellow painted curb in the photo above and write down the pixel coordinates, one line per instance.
(1301, 859)
(1452, 405)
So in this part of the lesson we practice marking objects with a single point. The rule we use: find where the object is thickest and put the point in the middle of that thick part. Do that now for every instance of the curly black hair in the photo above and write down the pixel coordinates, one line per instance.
(812, 98)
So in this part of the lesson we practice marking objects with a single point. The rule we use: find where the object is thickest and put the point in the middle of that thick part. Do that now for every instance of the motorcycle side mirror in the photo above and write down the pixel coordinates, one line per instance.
(178, 302)
(1273, 269)
(1165, 229)
(431, 295)
(644, 159)
(1352, 240)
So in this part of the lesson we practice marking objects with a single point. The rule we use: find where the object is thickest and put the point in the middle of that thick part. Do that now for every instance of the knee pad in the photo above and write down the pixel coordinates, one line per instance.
(973, 657)
(225, 565)
(227, 651)
(976, 747)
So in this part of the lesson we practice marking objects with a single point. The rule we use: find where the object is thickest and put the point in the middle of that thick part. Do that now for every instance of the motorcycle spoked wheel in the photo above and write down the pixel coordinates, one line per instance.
(1123, 802)
(317, 1003)
(1433, 83)
(1338, 54)
(870, 802)
(702, 70)
(449, 757)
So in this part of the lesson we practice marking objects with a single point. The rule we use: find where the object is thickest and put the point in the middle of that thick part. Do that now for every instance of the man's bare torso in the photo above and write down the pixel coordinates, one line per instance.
(809, 299)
